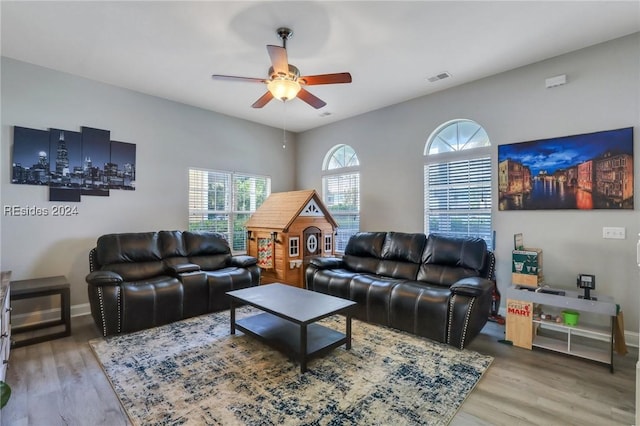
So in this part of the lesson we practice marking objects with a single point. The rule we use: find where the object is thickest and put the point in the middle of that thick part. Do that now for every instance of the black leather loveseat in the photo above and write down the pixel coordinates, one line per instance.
(437, 287)
(142, 280)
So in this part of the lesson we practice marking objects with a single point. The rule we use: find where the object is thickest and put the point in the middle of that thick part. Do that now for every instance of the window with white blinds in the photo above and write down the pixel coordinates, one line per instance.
(223, 202)
(457, 181)
(341, 192)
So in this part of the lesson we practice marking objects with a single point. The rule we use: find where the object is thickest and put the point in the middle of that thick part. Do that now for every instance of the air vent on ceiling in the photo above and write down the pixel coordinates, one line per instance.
(439, 77)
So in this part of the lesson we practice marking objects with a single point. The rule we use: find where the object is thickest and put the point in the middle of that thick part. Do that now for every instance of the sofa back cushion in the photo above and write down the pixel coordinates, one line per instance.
(444, 275)
(209, 250)
(135, 256)
(447, 259)
(363, 251)
(171, 244)
(172, 248)
(401, 255)
(128, 247)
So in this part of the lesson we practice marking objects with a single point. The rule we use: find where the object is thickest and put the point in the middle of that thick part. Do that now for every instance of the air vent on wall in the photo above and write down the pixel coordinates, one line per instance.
(439, 77)
(556, 81)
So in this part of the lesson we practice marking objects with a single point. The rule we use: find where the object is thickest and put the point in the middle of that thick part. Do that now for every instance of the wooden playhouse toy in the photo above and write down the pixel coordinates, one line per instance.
(286, 232)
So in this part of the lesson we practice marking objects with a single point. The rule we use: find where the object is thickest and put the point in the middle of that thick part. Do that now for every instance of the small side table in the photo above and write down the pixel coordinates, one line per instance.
(41, 287)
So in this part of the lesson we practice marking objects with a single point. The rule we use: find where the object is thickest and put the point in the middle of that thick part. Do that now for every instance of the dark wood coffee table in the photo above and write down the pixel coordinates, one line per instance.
(288, 321)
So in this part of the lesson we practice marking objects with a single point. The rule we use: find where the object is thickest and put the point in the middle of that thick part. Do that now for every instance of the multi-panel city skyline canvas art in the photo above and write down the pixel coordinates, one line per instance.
(72, 163)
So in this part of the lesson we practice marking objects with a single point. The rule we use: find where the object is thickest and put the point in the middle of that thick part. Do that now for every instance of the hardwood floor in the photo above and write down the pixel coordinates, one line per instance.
(60, 383)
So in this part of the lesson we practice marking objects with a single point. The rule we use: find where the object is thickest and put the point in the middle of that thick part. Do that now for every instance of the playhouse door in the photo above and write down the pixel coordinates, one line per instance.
(312, 247)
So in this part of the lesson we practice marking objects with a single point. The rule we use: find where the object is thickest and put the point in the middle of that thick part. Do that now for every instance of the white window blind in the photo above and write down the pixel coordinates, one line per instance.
(342, 198)
(223, 201)
(457, 185)
(341, 192)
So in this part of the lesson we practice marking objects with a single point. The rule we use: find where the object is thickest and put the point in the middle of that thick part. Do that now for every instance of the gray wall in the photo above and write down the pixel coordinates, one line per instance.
(602, 93)
(170, 138)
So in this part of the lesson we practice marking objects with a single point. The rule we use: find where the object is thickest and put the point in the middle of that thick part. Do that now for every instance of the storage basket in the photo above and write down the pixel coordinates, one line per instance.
(570, 317)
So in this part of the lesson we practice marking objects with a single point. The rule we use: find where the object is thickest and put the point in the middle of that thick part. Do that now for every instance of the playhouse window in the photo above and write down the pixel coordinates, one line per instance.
(294, 246)
(328, 243)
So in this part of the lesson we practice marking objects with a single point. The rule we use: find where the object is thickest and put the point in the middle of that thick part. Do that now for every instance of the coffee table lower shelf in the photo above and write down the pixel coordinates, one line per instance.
(289, 337)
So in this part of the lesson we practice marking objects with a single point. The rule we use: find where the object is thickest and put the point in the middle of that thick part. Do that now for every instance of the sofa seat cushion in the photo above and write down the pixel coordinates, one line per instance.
(159, 298)
(212, 262)
(372, 293)
(334, 282)
(420, 309)
(361, 264)
(395, 269)
(443, 275)
(136, 271)
(222, 280)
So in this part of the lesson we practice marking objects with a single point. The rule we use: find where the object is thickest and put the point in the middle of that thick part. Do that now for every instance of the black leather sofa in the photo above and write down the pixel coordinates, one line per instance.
(143, 280)
(437, 287)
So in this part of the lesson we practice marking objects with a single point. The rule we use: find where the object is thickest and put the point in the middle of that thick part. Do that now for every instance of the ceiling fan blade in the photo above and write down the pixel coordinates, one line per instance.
(236, 78)
(279, 60)
(312, 100)
(264, 99)
(341, 77)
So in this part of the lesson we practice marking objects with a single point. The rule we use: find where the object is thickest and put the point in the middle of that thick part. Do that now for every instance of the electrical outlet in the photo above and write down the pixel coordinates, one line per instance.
(613, 233)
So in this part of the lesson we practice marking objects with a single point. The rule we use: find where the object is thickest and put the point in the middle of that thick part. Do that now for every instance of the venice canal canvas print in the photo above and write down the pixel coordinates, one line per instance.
(587, 171)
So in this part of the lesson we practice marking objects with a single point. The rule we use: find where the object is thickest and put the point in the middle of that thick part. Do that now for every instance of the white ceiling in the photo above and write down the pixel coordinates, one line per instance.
(170, 48)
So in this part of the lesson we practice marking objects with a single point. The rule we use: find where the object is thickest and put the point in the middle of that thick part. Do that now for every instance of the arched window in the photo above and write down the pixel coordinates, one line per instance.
(341, 191)
(457, 181)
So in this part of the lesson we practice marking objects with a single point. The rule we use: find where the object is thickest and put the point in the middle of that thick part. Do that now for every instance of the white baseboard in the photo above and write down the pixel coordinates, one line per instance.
(48, 315)
(638, 393)
(631, 339)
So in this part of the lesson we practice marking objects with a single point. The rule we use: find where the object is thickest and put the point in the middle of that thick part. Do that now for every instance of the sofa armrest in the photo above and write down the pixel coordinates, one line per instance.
(472, 287)
(104, 278)
(243, 261)
(183, 268)
(327, 262)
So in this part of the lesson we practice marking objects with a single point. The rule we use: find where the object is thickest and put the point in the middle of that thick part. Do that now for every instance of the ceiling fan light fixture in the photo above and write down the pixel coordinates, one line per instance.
(284, 82)
(283, 89)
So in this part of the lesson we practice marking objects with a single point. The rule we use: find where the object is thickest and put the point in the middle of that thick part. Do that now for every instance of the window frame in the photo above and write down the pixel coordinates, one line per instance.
(234, 237)
(294, 246)
(351, 171)
(483, 153)
(328, 243)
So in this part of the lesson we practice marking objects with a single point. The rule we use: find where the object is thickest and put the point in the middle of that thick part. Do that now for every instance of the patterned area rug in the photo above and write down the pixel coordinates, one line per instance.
(194, 372)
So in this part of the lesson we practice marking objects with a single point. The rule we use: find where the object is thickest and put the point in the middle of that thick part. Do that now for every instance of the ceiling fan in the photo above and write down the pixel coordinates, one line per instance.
(284, 82)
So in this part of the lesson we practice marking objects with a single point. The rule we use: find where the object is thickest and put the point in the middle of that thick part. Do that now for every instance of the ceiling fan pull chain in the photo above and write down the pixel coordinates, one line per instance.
(284, 126)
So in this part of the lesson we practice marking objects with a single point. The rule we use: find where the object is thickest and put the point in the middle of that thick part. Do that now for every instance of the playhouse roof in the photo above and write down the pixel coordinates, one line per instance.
(281, 209)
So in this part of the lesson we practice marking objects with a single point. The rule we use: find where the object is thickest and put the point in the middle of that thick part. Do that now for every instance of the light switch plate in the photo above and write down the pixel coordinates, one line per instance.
(612, 232)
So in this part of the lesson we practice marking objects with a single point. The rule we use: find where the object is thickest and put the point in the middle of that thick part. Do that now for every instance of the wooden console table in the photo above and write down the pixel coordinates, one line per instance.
(41, 287)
